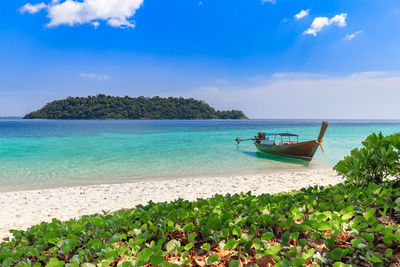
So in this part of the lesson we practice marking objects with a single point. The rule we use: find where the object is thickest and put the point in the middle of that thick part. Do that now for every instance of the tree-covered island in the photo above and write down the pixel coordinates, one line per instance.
(112, 107)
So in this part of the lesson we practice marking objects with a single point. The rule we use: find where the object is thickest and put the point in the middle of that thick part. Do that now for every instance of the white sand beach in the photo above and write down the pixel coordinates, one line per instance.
(22, 209)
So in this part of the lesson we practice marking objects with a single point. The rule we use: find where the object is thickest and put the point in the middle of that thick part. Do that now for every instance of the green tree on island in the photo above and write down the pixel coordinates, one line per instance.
(111, 107)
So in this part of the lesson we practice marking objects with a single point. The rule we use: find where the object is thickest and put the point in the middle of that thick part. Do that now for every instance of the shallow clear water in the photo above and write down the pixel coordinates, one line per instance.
(46, 153)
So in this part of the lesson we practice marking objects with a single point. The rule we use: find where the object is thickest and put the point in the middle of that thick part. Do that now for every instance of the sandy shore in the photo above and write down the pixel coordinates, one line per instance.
(22, 209)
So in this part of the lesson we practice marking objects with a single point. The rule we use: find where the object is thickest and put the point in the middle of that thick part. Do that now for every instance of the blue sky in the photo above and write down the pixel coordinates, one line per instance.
(252, 55)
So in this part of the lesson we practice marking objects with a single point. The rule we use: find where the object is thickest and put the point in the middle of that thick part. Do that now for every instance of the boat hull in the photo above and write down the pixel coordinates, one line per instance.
(303, 150)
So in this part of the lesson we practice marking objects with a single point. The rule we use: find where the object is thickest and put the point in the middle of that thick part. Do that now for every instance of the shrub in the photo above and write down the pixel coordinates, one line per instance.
(374, 162)
(395, 140)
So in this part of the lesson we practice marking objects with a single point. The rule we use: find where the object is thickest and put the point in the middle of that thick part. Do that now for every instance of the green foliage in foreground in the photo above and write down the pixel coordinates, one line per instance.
(378, 159)
(336, 225)
(110, 107)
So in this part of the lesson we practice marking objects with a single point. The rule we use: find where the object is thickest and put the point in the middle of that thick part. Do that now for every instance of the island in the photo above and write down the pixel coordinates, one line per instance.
(113, 107)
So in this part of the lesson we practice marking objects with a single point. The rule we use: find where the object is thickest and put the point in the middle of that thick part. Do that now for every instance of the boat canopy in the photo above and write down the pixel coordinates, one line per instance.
(281, 134)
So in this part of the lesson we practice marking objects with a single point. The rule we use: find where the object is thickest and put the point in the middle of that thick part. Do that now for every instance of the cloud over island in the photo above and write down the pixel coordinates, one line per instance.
(363, 95)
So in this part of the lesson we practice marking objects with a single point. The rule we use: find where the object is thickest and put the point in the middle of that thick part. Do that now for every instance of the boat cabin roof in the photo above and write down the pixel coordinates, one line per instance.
(281, 134)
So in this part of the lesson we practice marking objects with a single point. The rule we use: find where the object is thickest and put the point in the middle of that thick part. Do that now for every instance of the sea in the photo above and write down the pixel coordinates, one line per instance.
(52, 153)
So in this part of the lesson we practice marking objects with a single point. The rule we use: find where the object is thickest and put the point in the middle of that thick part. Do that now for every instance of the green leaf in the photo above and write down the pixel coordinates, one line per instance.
(308, 254)
(212, 258)
(267, 236)
(285, 238)
(295, 235)
(302, 242)
(145, 254)
(188, 246)
(234, 263)
(188, 227)
(330, 242)
(187, 261)
(157, 260)
(224, 232)
(230, 244)
(184, 254)
(191, 237)
(323, 226)
(347, 216)
(257, 245)
(298, 262)
(284, 263)
(272, 251)
(375, 259)
(368, 237)
(292, 252)
(388, 238)
(339, 264)
(247, 246)
(320, 259)
(356, 242)
(388, 253)
(180, 249)
(236, 231)
(125, 264)
(336, 254)
(206, 246)
(54, 262)
(7, 262)
(172, 245)
(368, 215)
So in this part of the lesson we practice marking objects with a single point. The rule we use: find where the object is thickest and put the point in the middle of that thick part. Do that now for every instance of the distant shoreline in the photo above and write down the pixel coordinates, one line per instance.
(111, 119)
(11, 117)
(331, 120)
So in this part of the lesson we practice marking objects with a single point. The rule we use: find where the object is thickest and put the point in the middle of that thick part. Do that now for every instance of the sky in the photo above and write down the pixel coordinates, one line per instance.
(270, 58)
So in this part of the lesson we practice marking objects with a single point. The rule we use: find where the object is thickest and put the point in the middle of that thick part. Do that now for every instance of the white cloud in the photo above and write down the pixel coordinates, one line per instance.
(351, 36)
(315, 96)
(340, 20)
(297, 75)
(32, 9)
(373, 74)
(200, 3)
(94, 76)
(117, 13)
(321, 22)
(302, 14)
(120, 23)
(268, 1)
(95, 24)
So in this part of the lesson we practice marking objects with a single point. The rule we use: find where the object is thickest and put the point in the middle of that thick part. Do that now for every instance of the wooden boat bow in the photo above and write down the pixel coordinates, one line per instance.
(324, 126)
(319, 140)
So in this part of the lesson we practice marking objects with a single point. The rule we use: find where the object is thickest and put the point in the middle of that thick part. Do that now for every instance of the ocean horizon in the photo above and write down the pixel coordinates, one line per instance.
(37, 154)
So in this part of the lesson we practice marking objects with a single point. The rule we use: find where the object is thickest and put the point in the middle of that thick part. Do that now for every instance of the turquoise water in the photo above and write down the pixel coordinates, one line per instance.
(45, 153)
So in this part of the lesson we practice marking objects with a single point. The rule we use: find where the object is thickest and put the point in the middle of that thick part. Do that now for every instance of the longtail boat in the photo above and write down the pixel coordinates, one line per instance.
(287, 144)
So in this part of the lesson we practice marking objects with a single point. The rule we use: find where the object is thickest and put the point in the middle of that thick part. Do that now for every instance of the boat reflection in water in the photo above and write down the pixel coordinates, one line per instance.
(262, 155)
